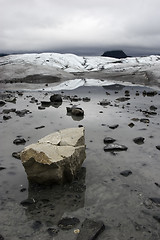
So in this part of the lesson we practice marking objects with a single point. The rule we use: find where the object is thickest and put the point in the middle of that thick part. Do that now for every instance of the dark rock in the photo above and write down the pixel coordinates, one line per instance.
(21, 113)
(68, 223)
(2, 168)
(75, 111)
(109, 140)
(157, 217)
(39, 127)
(16, 155)
(23, 190)
(153, 108)
(122, 99)
(75, 98)
(127, 94)
(114, 54)
(144, 120)
(6, 117)
(7, 111)
(27, 202)
(10, 99)
(45, 103)
(90, 230)
(150, 93)
(114, 147)
(131, 125)
(56, 98)
(157, 184)
(158, 147)
(1, 237)
(155, 200)
(41, 108)
(139, 140)
(113, 126)
(52, 231)
(36, 225)
(2, 103)
(86, 99)
(19, 141)
(104, 102)
(126, 173)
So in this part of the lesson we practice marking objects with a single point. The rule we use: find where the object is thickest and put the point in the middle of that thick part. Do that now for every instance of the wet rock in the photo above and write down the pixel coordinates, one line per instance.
(68, 223)
(52, 231)
(36, 225)
(75, 98)
(19, 141)
(105, 102)
(122, 99)
(114, 126)
(158, 147)
(108, 140)
(56, 158)
(131, 125)
(2, 103)
(16, 155)
(6, 117)
(157, 217)
(10, 99)
(76, 111)
(86, 99)
(2, 168)
(7, 111)
(90, 230)
(135, 119)
(114, 147)
(1, 237)
(56, 98)
(40, 127)
(41, 108)
(45, 103)
(126, 173)
(155, 200)
(145, 120)
(22, 113)
(127, 93)
(139, 140)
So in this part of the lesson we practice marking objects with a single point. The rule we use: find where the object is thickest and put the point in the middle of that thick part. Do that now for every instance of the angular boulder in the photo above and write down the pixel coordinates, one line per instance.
(56, 158)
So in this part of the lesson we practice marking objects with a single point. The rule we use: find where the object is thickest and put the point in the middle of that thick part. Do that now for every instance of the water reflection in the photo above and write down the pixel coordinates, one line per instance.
(49, 203)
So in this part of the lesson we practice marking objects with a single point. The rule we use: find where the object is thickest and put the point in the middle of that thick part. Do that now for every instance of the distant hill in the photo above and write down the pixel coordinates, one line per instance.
(115, 54)
(3, 54)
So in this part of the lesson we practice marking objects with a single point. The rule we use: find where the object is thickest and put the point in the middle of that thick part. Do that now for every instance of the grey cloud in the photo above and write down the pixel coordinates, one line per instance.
(37, 25)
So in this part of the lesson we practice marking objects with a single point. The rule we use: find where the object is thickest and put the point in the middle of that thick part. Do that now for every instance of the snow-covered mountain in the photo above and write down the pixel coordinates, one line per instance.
(69, 66)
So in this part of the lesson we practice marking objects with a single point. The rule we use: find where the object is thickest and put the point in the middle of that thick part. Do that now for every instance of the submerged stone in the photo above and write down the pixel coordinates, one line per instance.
(56, 158)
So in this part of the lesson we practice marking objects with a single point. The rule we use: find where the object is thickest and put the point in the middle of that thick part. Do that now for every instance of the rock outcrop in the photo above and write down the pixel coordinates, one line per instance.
(56, 158)
(115, 54)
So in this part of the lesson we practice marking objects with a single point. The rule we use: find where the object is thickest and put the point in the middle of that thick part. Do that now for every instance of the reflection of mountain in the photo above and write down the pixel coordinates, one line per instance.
(49, 203)
(114, 87)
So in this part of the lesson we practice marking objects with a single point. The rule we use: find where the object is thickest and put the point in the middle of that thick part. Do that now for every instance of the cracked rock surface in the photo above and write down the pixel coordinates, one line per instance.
(56, 158)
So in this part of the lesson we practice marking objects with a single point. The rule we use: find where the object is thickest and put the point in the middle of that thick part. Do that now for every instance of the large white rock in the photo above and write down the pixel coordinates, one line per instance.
(56, 157)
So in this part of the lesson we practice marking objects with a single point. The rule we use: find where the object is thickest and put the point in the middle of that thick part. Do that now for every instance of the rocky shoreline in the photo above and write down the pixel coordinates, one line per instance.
(118, 186)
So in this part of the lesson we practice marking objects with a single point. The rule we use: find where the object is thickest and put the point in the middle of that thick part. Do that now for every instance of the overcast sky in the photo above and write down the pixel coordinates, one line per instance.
(80, 26)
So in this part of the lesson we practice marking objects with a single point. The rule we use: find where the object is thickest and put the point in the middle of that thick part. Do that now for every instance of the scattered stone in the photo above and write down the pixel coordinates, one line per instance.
(90, 230)
(2, 103)
(23, 189)
(45, 103)
(10, 99)
(127, 93)
(56, 158)
(86, 99)
(41, 108)
(36, 225)
(157, 217)
(6, 117)
(75, 98)
(27, 202)
(108, 140)
(22, 113)
(155, 200)
(16, 155)
(158, 147)
(56, 98)
(68, 223)
(157, 184)
(105, 102)
(114, 147)
(126, 173)
(153, 108)
(150, 93)
(19, 141)
(7, 111)
(114, 126)
(40, 127)
(145, 120)
(139, 140)
(122, 99)
(131, 125)
(52, 231)
(2, 168)
(76, 111)
(135, 119)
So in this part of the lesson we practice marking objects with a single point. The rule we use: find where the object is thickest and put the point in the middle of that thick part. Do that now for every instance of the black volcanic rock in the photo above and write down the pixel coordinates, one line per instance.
(115, 54)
